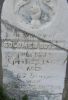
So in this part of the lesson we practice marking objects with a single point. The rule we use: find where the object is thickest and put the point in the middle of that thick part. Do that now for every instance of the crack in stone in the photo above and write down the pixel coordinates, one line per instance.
(5, 22)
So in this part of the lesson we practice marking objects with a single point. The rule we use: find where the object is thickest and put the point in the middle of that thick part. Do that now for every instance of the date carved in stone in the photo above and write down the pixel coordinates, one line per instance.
(35, 13)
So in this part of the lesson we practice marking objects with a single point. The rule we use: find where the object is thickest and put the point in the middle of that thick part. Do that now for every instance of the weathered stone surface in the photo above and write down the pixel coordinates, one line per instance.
(1, 73)
(34, 53)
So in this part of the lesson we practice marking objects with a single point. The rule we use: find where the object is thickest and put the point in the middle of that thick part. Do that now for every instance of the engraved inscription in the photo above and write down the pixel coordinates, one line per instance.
(33, 47)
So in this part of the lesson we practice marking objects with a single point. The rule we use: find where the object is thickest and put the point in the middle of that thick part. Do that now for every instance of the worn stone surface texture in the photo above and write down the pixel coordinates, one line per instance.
(1, 72)
(34, 38)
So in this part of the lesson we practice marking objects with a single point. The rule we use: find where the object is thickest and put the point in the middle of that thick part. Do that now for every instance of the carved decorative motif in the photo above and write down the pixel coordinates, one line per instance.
(35, 13)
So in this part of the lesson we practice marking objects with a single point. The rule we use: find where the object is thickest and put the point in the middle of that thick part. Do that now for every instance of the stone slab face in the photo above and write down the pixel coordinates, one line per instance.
(34, 38)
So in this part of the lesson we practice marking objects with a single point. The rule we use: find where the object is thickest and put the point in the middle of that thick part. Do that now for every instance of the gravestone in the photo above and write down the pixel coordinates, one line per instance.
(34, 38)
